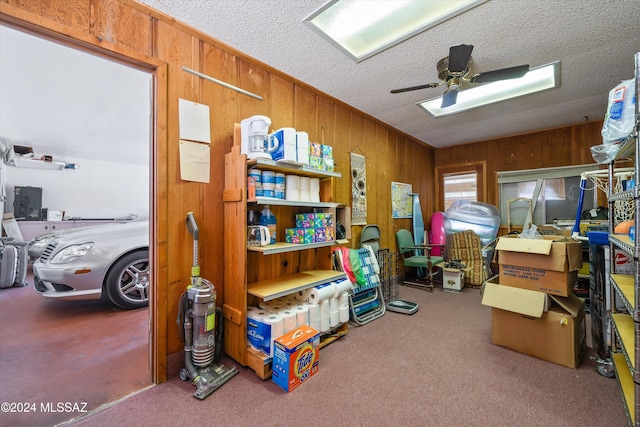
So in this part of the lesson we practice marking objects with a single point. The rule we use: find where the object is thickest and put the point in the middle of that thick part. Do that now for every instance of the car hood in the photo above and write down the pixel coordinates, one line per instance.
(113, 231)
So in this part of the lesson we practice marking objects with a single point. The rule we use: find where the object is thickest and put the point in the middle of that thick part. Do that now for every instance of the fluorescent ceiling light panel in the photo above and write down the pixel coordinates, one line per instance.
(363, 28)
(536, 80)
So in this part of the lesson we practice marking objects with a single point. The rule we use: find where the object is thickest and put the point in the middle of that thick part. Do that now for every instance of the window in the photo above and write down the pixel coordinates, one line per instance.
(556, 192)
(460, 186)
(465, 181)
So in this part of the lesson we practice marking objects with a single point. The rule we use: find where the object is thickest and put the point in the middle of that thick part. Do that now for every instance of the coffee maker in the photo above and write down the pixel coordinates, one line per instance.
(254, 135)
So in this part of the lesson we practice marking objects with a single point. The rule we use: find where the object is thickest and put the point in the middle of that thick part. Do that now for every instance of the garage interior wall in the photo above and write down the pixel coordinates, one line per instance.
(80, 192)
(134, 32)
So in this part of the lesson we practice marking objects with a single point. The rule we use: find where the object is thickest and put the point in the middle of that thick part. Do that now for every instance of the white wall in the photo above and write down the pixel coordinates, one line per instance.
(96, 189)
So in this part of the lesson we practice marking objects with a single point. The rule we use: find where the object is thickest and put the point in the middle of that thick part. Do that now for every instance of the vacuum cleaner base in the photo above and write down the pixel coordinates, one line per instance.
(209, 379)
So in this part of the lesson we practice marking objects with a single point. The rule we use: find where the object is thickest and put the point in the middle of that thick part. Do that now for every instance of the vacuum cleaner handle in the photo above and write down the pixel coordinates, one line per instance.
(191, 225)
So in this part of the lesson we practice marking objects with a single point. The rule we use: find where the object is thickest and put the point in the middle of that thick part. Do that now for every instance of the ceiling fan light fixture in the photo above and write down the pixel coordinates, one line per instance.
(361, 30)
(536, 80)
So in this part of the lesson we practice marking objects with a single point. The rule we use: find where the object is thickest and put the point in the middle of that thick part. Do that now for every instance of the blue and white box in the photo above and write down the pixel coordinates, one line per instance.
(302, 148)
(284, 141)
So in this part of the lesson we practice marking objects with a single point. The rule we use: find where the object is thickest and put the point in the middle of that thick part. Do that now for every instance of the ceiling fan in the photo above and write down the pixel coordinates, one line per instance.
(453, 70)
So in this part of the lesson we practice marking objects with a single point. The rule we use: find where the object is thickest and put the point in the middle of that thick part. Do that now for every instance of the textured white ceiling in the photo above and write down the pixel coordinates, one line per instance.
(67, 104)
(594, 40)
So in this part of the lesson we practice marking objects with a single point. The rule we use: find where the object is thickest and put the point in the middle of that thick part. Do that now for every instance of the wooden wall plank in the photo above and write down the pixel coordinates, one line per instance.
(120, 24)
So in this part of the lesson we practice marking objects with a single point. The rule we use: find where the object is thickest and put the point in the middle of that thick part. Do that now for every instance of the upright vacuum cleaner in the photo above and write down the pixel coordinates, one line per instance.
(201, 329)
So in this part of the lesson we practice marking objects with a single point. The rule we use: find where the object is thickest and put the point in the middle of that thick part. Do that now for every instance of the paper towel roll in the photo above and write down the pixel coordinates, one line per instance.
(343, 314)
(314, 197)
(302, 315)
(314, 185)
(302, 295)
(292, 194)
(289, 320)
(324, 315)
(277, 327)
(305, 183)
(342, 286)
(304, 196)
(321, 292)
(292, 182)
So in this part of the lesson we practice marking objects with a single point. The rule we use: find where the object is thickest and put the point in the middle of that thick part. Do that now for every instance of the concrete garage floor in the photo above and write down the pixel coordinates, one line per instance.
(61, 359)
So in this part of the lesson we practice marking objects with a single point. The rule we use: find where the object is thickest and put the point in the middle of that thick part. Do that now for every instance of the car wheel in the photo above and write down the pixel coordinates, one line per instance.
(127, 282)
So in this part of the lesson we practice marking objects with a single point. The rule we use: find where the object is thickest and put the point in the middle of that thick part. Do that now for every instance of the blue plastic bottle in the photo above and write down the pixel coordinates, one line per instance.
(268, 219)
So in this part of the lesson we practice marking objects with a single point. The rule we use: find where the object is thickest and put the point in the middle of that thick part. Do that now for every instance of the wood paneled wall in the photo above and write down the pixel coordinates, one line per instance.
(135, 34)
(552, 148)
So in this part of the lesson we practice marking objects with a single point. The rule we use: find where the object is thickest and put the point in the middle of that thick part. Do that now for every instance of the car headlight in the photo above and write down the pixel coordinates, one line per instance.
(71, 253)
(40, 243)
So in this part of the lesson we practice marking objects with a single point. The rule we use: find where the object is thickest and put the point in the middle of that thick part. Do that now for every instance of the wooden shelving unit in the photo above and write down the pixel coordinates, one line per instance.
(268, 272)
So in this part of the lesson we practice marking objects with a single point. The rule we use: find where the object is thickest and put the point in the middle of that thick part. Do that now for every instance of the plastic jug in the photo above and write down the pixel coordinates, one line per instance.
(268, 219)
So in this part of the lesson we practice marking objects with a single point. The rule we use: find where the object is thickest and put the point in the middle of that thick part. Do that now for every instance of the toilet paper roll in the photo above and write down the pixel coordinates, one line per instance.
(302, 315)
(343, 314)
(334, 318)
(342, 286)
(305, 183)
(288, 320)
(314, 197)
(302, 295)
(277, 327)
(322, 292)
(333, 304)
(292, 182)
(343, 300)
(314, 313)
(258, 315)
(292, 194)
(314, 185)
(315, 324)
(264, 305)
(289, 305)
(304, 196)
(275, 308)
(324, 315)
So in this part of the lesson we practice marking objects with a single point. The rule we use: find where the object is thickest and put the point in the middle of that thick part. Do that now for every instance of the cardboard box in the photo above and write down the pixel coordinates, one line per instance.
(548, 265)
(295, 357)
(519, 322)
(452, 279)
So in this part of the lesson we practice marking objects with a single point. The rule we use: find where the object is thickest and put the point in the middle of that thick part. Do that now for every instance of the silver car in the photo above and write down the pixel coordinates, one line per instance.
(87, 263)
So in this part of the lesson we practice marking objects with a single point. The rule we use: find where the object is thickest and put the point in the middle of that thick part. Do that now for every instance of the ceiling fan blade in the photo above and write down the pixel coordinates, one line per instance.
(408, 89)
(449, 98)
(502, 74)
(459, 57)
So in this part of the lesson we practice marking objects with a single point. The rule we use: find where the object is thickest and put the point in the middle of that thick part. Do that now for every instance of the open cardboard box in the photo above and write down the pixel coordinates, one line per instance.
(548, 327)
(548, 265)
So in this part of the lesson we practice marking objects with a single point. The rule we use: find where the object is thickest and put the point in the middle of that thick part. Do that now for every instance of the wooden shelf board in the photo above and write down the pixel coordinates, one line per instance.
(281, 286)
(625, 380)
(625, 284)
(281, 247)
(626, 330)
(291, 168)
(296, 203)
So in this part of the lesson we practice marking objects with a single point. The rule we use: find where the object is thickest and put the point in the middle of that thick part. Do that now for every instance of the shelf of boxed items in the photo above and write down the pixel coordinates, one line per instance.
(240, 284)
(625, 354)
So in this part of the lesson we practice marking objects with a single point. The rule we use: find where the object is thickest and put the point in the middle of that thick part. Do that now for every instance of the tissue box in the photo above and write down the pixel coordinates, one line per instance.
(315, 149)
(295, 357)
(327, 152)
(285, 139)
(306, 220)
(302, 147)
(321, 235)
(324, 220)
(299, 235)
(316, 162)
